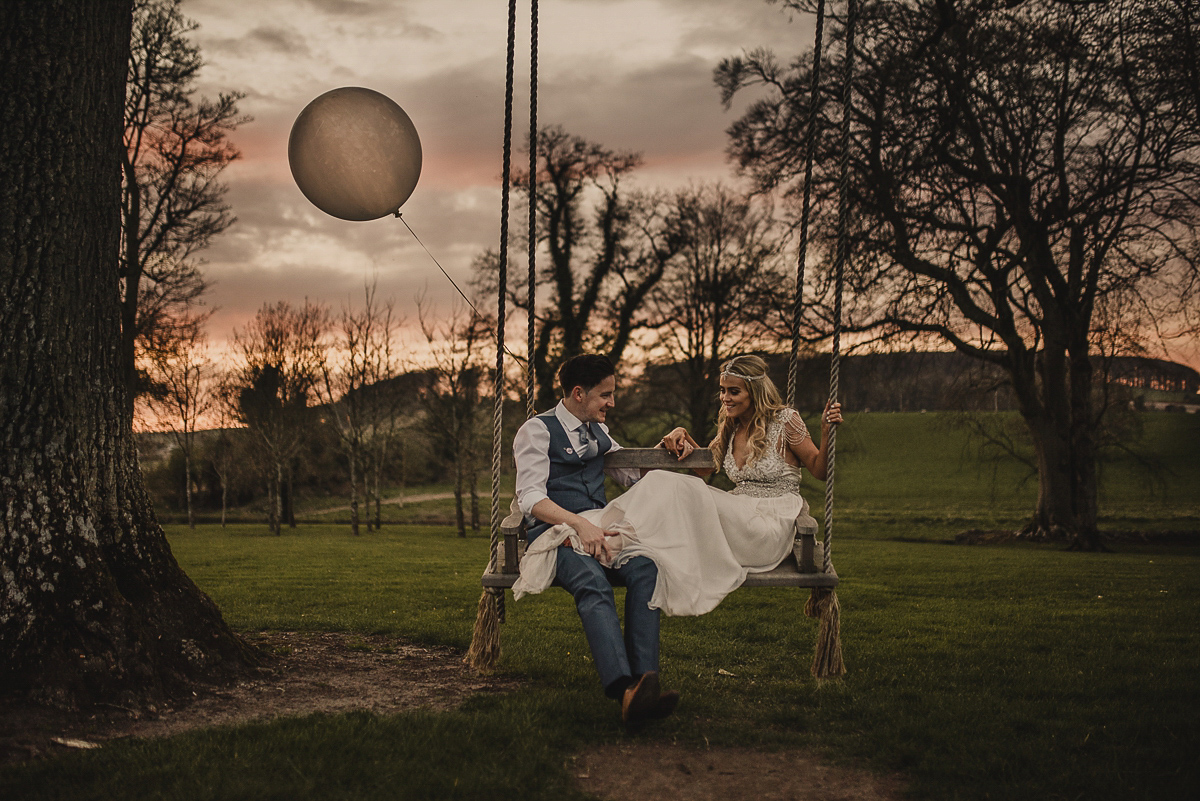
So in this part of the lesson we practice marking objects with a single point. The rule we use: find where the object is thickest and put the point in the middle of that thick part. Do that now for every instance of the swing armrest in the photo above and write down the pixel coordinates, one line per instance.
(512, 528)
(804, 545)
(510, 560)
(661, 458)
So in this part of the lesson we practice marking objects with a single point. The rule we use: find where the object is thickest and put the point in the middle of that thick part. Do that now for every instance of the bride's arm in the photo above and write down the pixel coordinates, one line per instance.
(814, 459)
(680, 443)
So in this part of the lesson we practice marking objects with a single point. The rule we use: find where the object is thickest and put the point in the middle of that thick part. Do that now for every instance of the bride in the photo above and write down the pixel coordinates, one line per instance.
(705, 540)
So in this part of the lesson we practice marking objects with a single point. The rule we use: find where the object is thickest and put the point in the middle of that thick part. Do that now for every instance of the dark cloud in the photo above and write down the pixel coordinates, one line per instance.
(261, 41)
(736, 26)
(281, 40)
(352, 8)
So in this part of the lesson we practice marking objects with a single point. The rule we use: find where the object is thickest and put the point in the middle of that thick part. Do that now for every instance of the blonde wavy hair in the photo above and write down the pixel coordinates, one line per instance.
(765, 402)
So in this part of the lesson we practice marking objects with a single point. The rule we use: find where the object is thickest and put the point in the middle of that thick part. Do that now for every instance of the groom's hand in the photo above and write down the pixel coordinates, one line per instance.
(593, 539)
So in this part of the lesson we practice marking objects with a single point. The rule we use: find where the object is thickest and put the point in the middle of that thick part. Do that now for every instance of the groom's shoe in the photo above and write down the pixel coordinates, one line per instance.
(640, 700)
(665, 705)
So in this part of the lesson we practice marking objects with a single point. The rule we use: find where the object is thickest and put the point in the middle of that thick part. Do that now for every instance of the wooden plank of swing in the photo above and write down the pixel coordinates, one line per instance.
(649, 458)
(786, 575)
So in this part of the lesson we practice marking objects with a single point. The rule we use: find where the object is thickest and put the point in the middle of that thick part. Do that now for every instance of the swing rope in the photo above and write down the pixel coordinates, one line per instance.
(810, 137)
(823, 604)
(533, 95)
(485, 641)
(843, 253)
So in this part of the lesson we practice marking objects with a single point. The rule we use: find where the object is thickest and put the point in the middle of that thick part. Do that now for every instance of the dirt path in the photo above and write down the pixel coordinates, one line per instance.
(666, 770)
(315, 672)
(332, 672)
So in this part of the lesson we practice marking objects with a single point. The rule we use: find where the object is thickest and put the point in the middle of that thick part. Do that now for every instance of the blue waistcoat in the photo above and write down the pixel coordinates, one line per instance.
(573, 484)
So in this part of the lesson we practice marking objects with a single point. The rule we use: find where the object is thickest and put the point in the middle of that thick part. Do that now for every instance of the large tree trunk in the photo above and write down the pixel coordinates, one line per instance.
(354, 493)
(1060, 424)
(459, 516)
(187, 487)
(131, 271)
(402, 482)
(473, 487)
(277, 500)
(290, 507)
(93, 606)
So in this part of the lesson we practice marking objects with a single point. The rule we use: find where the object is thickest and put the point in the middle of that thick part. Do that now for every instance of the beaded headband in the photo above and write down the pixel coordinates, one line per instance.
(727, 373)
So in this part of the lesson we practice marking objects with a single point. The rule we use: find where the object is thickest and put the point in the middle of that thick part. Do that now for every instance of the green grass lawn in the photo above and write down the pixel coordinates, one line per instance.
(912, 475)
(976, 672)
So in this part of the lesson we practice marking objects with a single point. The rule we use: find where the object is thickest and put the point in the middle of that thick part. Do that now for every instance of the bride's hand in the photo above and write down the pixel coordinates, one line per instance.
(831, 416)
(678, 442)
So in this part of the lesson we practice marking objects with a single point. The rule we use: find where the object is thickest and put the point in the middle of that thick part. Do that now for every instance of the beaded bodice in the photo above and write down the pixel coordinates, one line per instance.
(769, 476)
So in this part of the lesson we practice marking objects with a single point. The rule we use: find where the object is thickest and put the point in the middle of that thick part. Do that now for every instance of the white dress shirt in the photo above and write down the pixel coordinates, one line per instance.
(531, 449)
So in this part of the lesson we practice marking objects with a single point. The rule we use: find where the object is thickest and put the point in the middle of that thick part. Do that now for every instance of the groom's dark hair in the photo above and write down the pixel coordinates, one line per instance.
(586, 370)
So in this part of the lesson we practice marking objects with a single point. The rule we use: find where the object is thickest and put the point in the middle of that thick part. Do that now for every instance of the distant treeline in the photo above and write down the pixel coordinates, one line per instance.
(885, 382)
(940, 381)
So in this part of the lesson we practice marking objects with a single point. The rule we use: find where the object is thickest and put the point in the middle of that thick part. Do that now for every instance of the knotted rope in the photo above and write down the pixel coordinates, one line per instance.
(485, 641)
(823, 604)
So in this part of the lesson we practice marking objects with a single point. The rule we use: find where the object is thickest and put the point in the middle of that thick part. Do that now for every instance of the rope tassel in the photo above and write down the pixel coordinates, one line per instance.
(827, 659)
(484, 652)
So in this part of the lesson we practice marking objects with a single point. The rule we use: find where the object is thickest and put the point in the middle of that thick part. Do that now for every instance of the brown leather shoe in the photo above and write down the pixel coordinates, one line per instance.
(640, 699)
(665, 705)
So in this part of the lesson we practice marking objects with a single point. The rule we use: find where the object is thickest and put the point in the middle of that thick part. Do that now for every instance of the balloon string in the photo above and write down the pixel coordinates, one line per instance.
(400, 217)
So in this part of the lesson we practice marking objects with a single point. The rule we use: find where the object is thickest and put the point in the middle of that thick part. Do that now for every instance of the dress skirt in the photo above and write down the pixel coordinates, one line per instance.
(703, 540)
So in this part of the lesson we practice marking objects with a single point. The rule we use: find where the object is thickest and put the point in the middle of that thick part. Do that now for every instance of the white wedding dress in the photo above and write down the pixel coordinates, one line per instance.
(703, 540)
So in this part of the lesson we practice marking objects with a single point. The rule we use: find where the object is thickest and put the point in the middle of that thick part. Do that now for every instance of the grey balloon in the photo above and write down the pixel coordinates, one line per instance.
(355, 154)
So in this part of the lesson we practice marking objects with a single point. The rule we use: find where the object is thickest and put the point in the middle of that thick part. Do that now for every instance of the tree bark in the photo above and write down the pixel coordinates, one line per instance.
(93, 606)
(354, 494)
(277, 498)
(459, 515)
(1054, 398)
(187, 488)
(291, 496)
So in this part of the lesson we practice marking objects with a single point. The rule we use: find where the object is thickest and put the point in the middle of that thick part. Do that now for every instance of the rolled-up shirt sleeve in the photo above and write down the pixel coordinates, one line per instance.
(625, 476)
(531, 451)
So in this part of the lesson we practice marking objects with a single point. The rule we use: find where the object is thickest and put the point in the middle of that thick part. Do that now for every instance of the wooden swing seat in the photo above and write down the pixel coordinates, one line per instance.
(801, 568)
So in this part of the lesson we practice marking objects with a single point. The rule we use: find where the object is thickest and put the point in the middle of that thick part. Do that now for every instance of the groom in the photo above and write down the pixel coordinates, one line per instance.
(560, 473)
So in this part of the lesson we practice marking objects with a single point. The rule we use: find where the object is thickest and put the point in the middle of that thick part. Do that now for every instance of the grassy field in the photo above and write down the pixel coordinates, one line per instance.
(976, 672)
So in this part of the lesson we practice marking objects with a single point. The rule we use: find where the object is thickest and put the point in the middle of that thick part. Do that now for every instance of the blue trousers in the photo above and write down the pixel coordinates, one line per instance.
(617, 657)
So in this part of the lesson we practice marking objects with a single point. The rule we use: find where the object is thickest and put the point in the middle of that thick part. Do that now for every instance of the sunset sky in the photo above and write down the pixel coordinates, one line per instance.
(629, 74)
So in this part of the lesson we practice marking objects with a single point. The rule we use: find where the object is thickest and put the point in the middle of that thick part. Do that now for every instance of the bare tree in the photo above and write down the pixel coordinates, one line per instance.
(392, 421)
(1019, 174)
(354, 388)
(172, 199)
(717, 292)
(280, 356)
(182, 395)
(598, 268)
(223, 451)
(452, 397)
(93, 606)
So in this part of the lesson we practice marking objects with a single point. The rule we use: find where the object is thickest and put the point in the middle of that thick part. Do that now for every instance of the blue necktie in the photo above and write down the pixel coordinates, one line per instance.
(587, 443)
